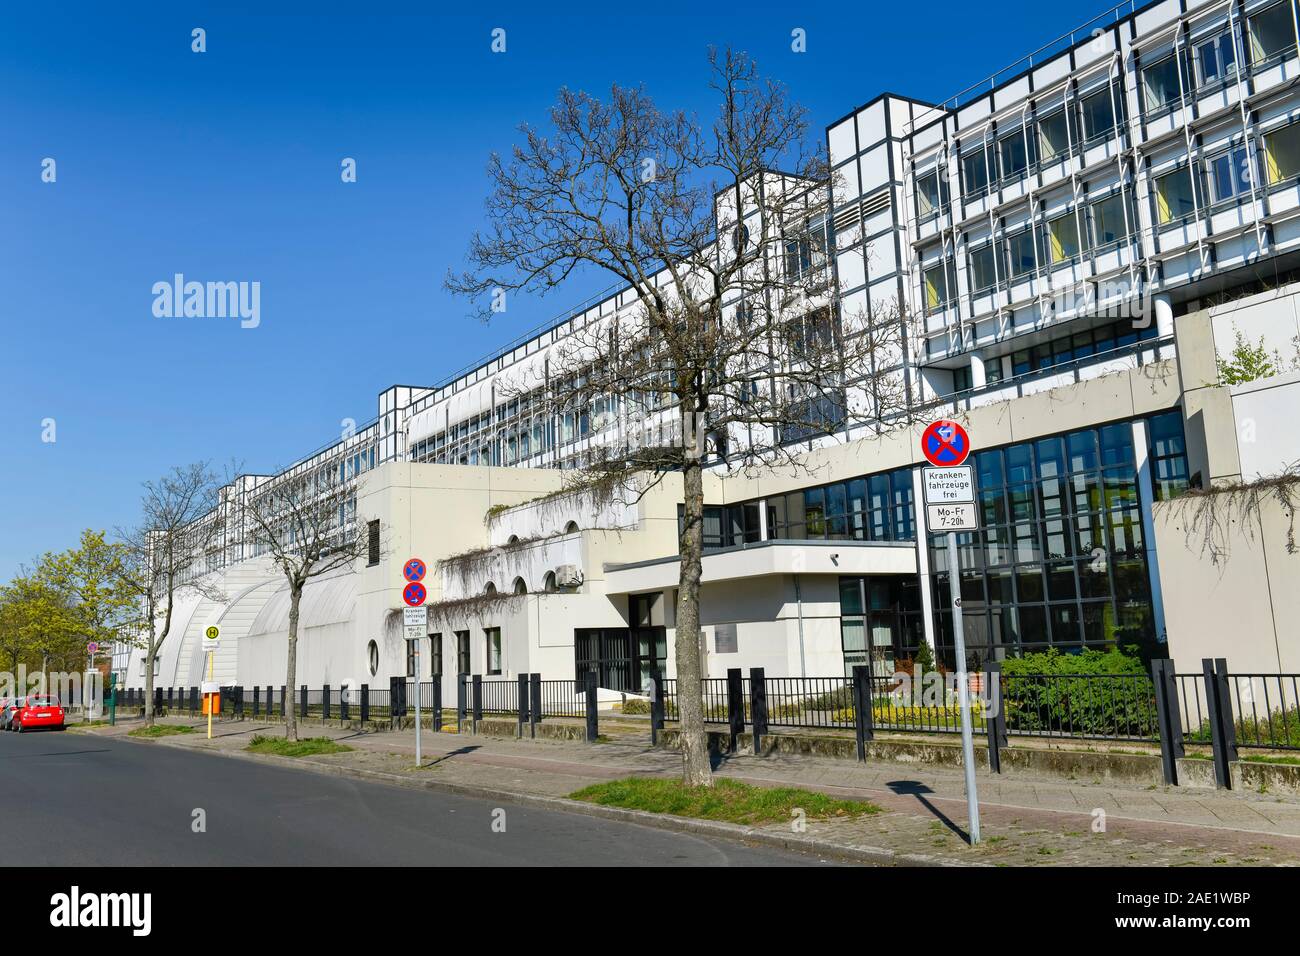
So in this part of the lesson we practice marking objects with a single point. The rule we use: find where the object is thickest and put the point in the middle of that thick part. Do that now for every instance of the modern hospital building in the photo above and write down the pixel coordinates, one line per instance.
(1079, 238)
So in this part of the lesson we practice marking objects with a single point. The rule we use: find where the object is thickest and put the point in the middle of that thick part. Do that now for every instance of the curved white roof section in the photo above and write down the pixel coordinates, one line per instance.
(326, 601)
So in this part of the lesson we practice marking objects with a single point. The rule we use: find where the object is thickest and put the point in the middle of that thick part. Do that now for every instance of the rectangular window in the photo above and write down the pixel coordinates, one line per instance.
(983, 272)
(936, 286)
(1168, 450)
(462, 652)
(1063, 237)
(1014, 153)
(372, 542)
(1108, 220)
(1228, 174)
(961, 379)
(1282, 154)
(492, 636)
(1160, 83)
(435, 655)
(1174, 196)
(975, 173)
(928, 195)
(1020, 252)
(1098, 112)
(1054, 136)
(1270, 33)
(1216, 58)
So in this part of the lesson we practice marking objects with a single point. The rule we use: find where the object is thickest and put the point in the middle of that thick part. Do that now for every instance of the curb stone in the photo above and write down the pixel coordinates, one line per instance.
(878, 856)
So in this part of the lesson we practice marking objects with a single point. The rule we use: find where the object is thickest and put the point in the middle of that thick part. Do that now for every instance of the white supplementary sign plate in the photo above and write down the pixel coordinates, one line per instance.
(210, 687)
(955, 517)
(945, 486)
(415, 632)
(415, 616)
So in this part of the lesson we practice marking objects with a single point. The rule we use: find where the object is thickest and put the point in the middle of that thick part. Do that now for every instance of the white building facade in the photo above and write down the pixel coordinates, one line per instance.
(1052, 232)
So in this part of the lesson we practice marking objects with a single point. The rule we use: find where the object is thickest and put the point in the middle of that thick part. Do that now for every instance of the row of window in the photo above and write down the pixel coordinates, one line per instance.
(1061, 239)
(874, 508)
(1062, 350)
(491, 648)
(1227, 175)
(1213, 60)
(1223, 177)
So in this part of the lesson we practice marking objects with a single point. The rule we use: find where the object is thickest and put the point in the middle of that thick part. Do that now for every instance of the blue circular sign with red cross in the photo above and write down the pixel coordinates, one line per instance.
(414, 594)
(945, 444)
(414, 570)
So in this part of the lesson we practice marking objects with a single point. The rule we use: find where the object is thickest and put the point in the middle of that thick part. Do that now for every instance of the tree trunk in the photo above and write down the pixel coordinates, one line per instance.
(149, 652)
(696, 770)
(291, 666)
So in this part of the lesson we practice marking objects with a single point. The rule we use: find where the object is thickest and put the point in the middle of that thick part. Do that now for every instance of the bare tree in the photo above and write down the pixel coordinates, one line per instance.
(173, 549)
(305, 521)
(736, 351)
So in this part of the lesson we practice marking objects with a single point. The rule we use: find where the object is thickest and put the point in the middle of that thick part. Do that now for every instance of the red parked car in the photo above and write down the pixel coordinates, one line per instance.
(38, 710)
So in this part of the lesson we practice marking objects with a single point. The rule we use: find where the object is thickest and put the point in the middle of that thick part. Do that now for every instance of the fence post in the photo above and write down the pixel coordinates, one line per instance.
(735, 705)
(521, 717)
(1167, 718)
(1226, 714)
(435, 692)
(758, 706)
(345, 704)
(302, 693)
(1218, 731)
(257, 701)
(535, 702)
(995, 720)
(325, 701)
(862, 707)
(593, 719)
(365, 703)
(461, 695)
(477, 701)
(239, 701)
(284, 709)
(656, 705)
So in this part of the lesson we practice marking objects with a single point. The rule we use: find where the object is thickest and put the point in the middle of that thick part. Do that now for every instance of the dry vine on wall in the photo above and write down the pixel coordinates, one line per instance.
(1210, 515)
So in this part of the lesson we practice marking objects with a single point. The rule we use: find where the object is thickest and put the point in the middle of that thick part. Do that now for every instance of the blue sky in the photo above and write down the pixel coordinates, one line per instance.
(225, 166)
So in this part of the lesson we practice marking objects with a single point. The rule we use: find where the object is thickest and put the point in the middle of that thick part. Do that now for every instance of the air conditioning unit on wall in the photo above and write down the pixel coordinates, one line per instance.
(568, 576)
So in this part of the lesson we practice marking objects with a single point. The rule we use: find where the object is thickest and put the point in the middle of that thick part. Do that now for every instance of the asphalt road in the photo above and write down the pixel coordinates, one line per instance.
(76, 799)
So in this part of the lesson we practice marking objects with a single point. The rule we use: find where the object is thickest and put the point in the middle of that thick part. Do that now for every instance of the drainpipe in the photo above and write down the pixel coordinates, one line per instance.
(798, 601)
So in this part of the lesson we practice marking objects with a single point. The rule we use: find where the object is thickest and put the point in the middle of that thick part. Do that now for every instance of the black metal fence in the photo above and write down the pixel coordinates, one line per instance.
(1262, 710)
(562, 698)
(1216, 707)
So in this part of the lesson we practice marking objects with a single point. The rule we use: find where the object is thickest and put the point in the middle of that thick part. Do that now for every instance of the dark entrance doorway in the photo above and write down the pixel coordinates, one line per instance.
(621, 657)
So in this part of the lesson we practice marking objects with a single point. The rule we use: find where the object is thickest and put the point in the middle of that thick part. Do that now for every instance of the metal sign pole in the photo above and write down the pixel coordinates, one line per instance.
(963, 689)
(209, 696)
(416, 651)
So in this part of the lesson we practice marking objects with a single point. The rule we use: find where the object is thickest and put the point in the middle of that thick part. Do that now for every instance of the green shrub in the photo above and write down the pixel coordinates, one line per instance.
(1072, 693)
(1281, 728)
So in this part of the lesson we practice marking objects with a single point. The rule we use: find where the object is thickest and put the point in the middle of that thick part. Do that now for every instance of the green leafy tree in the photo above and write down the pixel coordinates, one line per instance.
(97, 602)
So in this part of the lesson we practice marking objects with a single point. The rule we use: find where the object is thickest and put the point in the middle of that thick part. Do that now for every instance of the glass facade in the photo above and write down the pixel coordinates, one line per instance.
(1060, 559)
(874, 508)
(880, 621)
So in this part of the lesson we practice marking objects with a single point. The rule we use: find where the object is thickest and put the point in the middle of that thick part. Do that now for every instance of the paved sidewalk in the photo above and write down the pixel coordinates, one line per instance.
(1026, 819)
